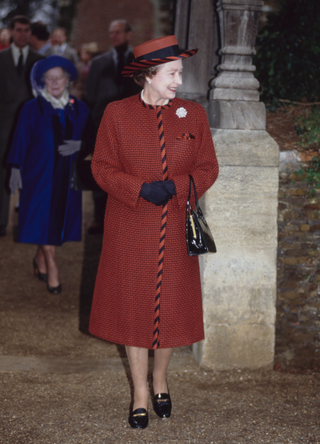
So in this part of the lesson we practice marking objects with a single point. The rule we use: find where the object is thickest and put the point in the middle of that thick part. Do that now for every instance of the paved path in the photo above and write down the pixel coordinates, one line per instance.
(59, 385)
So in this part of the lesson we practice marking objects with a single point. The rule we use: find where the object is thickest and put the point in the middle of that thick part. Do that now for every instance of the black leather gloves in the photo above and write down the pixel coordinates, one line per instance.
(158, 192)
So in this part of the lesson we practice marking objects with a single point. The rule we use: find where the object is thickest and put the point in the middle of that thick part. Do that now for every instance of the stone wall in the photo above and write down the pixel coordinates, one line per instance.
(239, 282)
(298, 298)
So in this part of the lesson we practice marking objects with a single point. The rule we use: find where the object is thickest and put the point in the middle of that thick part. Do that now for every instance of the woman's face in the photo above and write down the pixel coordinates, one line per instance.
(5, 36)
(85, 56)
(56, 81)
(165, 83)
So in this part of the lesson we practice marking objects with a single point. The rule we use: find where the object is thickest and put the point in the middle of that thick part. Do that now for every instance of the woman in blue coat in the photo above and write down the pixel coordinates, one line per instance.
(45, 145)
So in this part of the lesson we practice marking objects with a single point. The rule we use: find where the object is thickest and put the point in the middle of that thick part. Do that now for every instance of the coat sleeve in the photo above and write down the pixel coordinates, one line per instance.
(206, 168)
(21, 139)
(92, 82)
(106, 165)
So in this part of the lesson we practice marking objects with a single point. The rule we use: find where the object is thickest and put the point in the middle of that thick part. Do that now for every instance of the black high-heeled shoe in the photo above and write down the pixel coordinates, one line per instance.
(162, 405)
(139, 419)
(41, 276)
(54, 290)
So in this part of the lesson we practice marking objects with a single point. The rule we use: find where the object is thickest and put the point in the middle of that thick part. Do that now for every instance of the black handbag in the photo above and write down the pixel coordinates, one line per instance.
(198, 234)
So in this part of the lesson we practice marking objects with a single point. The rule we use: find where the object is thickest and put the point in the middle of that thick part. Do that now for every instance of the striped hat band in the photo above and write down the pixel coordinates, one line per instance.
(156, 52)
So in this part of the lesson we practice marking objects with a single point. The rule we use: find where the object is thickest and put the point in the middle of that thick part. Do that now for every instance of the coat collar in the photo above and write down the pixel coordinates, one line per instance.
(71, 109)
(154, 107)
(16, 53)
(10, 66)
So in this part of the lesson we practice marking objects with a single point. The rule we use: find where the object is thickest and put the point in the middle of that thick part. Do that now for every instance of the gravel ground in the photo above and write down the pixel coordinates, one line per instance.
(59, 385)
(207, 408)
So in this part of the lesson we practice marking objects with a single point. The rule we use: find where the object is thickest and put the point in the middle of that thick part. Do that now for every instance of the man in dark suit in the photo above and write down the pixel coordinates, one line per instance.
(39, 39)
(15, 89)
(104, 82)
(104, 85)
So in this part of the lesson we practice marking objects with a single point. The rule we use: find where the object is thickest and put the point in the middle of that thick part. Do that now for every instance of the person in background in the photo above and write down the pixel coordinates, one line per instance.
(60, 45)
(15, 89)
(46, 144)
(148, 290)
(104, 85)
(5, 37)
(87, 52)
(39, 39)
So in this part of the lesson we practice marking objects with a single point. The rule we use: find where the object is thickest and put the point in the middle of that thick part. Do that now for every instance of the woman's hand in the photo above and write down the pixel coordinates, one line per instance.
(69, 147)
(170, 187)
(15, 180)
(158, 192)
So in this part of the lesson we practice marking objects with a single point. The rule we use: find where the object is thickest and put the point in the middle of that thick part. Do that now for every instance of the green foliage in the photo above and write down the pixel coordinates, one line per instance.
(48, 10)
(52, 12)
(287, 60)
(309, 131)
(309, 128)
(311, 175)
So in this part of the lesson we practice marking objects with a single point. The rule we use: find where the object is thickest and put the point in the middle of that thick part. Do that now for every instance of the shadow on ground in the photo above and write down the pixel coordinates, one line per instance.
(91, 256)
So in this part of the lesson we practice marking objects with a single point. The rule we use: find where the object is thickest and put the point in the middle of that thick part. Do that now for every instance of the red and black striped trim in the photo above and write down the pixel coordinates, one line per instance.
(156, 325)
(156, 331)
(172, 50)
(138, 65)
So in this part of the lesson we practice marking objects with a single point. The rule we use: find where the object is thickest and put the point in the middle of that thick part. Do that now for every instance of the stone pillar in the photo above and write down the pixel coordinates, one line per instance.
(162, 19)
(193, 29)
(234, 98)
(239, 281)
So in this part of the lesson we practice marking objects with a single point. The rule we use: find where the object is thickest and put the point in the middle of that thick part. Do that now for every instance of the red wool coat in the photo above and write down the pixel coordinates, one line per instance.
(127, 154)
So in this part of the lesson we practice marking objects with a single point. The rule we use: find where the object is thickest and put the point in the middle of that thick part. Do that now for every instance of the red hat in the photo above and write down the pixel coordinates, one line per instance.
(156, 52)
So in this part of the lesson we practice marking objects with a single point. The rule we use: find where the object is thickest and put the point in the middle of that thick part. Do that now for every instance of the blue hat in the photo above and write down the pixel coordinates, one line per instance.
(53, 61)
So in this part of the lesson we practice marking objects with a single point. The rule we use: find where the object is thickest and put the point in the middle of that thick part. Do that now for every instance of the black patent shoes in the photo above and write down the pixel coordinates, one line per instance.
(139, 419)
(162, 405)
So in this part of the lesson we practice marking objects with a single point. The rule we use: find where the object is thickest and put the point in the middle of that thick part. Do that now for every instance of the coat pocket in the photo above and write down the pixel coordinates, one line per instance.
(182, 155)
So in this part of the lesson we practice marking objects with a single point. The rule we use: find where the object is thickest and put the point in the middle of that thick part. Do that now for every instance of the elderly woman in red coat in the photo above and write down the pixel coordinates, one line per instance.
(148, 293)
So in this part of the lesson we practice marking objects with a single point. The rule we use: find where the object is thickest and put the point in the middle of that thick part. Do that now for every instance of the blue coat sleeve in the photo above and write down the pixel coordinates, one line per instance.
(21, 139)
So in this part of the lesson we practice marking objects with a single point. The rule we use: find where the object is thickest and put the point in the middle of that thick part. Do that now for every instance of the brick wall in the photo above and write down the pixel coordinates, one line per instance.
(298, 301)
(93, 17)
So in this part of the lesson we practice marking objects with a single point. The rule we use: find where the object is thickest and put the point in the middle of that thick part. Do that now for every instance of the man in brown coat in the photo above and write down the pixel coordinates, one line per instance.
(15, 89)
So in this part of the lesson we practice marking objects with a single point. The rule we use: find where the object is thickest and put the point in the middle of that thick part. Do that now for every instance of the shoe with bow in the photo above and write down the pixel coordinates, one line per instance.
(162, 405)
(139, 419)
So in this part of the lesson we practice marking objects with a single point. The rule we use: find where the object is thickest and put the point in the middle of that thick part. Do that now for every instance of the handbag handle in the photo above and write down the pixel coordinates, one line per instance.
(195, 192)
